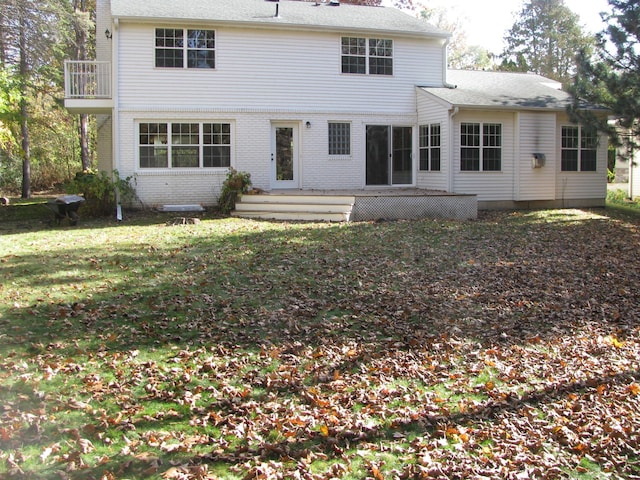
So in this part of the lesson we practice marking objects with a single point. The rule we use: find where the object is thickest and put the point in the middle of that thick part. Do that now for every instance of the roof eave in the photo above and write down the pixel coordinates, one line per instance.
(275, 25)
(509, 107)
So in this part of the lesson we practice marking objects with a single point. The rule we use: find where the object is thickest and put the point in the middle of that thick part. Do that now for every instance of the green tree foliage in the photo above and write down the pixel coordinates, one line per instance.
(28, 38)
(545, 39)
(610, 76)
(37, 135)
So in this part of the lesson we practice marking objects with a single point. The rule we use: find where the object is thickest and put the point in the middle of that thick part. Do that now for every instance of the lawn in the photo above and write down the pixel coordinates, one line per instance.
(504, 347)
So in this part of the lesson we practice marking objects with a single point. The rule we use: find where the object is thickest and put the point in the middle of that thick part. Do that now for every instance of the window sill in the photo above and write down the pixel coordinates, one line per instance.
(154, 172)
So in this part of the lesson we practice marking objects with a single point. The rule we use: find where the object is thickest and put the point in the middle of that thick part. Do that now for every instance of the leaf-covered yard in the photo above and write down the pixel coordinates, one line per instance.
(507, 347)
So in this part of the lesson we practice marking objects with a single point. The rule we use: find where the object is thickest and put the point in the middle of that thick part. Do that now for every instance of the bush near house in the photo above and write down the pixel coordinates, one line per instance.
(235, 184)
(101, 191)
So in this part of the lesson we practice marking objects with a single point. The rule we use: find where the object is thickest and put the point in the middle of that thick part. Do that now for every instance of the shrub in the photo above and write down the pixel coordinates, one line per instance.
(100, 191)
(235, 184)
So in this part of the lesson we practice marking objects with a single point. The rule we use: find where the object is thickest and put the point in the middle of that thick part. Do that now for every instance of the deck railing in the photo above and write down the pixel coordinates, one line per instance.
(87, 79)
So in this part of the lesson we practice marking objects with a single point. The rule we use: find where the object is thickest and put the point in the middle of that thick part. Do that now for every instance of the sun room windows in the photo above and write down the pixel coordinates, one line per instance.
(184, 145)
(579, 149)
(481, 147)
(430, 145)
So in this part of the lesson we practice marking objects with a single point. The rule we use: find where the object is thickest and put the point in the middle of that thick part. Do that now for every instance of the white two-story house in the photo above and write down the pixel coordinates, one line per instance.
(320, 96)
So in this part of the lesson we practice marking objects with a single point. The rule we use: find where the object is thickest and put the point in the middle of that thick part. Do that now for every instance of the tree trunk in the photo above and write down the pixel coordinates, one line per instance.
(81, 54)
(85, 154)
(26, 159)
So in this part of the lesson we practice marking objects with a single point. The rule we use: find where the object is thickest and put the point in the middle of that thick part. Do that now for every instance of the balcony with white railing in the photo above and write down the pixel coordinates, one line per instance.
(87, 86)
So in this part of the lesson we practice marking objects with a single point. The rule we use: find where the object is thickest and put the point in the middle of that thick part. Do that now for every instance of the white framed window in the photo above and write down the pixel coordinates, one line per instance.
(430, 147)
(185, 47)
(361, 55)
(579, 149)
(184, 144)
(339, 138)
(380, 56)
(481, 147)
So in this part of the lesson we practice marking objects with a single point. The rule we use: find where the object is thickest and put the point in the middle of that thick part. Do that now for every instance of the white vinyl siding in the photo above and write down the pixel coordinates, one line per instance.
(494, 185)
(572, 185)
(249, 74)
(432, 112)
(537, 134)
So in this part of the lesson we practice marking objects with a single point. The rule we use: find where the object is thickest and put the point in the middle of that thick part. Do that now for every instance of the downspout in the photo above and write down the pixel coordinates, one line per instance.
(453, 113)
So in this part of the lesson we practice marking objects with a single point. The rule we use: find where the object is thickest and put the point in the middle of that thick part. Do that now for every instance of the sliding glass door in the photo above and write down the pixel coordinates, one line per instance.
(389, 157)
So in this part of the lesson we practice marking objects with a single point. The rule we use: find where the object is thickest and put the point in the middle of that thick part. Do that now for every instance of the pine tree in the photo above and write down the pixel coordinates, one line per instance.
(545, 39)
(610, 76)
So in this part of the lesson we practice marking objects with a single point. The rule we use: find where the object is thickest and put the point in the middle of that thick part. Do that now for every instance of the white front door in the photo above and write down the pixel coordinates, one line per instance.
(284, 155)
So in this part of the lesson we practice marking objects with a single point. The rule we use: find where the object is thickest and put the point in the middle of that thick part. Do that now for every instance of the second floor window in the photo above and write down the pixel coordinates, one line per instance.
(178, 47)
(362, 55)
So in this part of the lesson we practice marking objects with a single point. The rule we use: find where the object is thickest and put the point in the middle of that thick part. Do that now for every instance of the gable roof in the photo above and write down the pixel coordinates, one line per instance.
(501, 90)
(292, 14)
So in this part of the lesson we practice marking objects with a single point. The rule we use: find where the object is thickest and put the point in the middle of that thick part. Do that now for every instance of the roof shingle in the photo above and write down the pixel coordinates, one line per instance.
(292, 14)
(501, 90)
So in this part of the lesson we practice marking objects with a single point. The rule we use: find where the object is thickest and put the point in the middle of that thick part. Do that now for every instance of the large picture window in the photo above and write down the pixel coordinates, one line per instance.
(579, 149)
(178, 47)
(184, 145)
(430, 145)
(362, 55)
(481, 147)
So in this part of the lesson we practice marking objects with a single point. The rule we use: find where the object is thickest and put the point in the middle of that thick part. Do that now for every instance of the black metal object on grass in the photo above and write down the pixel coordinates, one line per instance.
(66, 207)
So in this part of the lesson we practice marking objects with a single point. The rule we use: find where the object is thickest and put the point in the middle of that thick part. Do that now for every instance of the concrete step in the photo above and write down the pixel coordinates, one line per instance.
(293, 207)
(300, 216)
(314, 208)
(302, 199)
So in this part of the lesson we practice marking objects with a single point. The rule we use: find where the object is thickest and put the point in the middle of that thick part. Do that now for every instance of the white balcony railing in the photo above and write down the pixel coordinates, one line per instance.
(86, 80)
